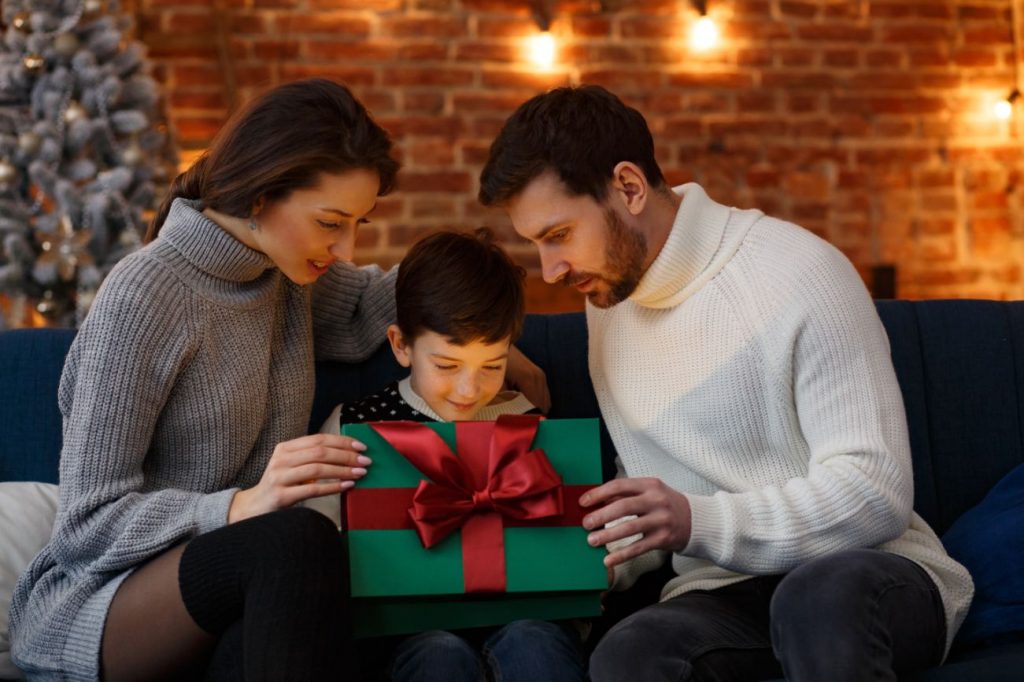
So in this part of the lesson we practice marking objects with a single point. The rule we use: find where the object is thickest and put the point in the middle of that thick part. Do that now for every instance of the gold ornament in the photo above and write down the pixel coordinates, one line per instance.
(66, 44)
(33, 62)
(29, 142)
(74, 112)
(8, 173)
(21, 21)
(133, 155)
(93, 7)
(67, 249)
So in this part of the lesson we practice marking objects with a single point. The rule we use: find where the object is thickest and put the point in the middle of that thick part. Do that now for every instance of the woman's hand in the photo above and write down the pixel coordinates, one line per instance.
(311, 466)
(528, 379)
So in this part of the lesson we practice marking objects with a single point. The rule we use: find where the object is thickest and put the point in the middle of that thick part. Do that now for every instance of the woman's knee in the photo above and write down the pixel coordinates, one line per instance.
(296, 539)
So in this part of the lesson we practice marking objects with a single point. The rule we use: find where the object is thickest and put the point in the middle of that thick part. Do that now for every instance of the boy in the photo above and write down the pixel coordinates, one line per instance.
(460, 305)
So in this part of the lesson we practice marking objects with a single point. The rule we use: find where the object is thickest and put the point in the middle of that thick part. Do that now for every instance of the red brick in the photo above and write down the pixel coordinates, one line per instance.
(369, 51)
(897, 9)
(493, 102)
(420, 77)
(486, 52)
(335, 24)
(191, 22)
(505, 28)
(752, 8)
(990, 35)
(973, 12)
(362, 5)
(198, 100)
(793, 56)
(917, 34)
(427, 26)
(421, 52)
(275, 50)
(711, 79)
(275, 4)
(754, 56)
(520, 79)
(424, 125)
(834, 33)
(798, 10)
(887, 58)
(423, 102)
(238, 22)
(650, 28)
(591, 27)
(787, 80)
(622, 80)
(842, 58)
(432, 207)
(346, 74)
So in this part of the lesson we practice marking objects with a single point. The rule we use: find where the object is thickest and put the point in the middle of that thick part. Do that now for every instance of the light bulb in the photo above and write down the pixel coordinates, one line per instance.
(704, 34)
(541, 50)
(1003, 110)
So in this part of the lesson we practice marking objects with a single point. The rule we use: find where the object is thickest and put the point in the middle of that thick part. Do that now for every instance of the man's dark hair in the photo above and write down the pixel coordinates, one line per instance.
(462, 286)
(581, 133)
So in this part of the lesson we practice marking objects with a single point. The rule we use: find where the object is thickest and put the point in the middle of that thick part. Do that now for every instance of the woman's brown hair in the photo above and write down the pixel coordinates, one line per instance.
(280, 142)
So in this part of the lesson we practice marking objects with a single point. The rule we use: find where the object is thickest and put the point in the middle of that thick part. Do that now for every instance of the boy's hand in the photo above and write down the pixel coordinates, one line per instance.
(296, 471)
(528, 379)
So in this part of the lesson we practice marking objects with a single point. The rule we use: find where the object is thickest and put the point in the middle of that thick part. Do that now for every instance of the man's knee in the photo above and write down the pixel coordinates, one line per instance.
(629, 643)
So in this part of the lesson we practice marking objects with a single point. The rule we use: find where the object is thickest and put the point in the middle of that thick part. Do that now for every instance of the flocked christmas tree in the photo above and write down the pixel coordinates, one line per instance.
(83, 153)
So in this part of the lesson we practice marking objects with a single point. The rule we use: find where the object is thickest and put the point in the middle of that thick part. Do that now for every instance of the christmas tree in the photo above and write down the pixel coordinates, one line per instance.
(83, 153)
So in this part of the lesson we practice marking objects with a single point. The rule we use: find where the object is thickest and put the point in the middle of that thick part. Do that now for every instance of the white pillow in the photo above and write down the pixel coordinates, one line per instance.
(27, 511)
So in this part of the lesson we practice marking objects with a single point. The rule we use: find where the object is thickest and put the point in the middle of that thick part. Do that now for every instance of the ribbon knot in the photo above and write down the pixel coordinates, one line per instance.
(496, 477)
(482, 500)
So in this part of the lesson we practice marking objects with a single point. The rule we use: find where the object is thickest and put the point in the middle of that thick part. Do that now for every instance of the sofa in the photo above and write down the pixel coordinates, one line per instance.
(960, 366)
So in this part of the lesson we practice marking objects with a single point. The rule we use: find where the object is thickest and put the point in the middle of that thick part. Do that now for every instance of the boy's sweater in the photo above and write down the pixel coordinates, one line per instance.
(194, 363)
(749, 371)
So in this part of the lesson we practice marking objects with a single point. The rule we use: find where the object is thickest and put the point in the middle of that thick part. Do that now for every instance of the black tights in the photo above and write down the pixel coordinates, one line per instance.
(264, 597)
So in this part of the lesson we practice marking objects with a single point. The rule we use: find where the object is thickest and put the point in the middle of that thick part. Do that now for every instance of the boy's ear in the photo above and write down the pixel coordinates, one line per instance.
(402, 351)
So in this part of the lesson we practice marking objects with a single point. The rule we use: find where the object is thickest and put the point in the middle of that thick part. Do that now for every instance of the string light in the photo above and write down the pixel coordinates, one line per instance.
(541, 50)
(1003, 109)
(704, 31)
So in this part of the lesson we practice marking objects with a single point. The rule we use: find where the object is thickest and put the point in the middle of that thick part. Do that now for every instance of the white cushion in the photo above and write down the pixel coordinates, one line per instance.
(27, 511)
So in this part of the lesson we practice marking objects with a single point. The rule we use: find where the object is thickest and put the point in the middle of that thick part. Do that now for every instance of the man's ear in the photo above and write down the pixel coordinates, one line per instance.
(258, 205)
(402, 350)
(630, 183)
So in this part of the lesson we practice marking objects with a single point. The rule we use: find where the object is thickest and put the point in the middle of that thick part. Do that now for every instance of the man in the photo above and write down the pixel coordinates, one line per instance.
(746, 381)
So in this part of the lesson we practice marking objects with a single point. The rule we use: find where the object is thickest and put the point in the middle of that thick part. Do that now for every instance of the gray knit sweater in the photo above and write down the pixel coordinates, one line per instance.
(194, 363)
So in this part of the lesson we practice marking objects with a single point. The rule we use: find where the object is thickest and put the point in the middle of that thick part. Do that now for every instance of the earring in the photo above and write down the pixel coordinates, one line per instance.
(253, 225)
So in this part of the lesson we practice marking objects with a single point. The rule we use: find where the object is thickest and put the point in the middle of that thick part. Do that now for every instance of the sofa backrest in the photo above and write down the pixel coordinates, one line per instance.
(960, 366)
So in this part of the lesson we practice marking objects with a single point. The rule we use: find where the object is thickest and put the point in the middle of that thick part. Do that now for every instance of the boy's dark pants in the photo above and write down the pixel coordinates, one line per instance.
(854, 615)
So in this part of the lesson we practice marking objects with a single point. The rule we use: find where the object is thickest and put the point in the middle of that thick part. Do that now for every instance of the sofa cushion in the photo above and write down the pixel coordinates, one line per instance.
(989, 541)
(27, 511)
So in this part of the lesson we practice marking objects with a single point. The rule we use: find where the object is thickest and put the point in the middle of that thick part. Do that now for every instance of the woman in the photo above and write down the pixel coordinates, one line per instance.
(185, 396)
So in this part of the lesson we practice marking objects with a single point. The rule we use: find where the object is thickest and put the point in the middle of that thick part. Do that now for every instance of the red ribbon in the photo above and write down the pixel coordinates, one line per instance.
(493, 479)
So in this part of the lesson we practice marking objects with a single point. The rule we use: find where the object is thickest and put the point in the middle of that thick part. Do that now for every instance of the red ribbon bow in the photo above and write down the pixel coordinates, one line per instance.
(494, 478)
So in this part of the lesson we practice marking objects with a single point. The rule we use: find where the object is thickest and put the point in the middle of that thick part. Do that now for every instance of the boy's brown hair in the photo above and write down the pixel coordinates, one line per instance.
(462, 286)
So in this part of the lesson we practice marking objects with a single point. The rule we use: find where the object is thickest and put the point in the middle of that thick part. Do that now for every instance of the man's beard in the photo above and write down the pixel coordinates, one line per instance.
(624, 256)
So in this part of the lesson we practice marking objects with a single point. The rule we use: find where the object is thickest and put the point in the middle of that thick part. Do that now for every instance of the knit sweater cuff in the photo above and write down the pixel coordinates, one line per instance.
(708, 524)
(212, 510)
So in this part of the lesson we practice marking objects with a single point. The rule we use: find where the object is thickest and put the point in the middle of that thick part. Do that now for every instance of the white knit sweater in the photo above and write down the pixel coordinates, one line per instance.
(750, 371)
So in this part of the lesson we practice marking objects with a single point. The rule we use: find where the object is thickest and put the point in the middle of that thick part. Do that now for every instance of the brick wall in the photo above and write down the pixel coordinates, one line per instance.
(867, 121)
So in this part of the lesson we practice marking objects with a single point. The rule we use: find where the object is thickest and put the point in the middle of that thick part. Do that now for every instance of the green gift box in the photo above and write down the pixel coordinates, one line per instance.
(545, 570)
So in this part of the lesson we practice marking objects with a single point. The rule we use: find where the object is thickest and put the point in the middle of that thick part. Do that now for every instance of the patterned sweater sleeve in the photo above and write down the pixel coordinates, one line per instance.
(119, 373)
(352, 308)
(858, 487)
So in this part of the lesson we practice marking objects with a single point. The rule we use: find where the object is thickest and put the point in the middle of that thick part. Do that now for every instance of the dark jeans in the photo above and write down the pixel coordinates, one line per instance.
(522, 651)
(851, 616)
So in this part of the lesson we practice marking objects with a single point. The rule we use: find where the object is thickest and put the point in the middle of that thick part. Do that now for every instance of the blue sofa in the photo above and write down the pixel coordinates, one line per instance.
(960, 366)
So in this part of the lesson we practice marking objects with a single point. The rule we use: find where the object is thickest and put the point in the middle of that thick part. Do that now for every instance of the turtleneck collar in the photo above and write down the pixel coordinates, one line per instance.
(704, 236)
(209, 247)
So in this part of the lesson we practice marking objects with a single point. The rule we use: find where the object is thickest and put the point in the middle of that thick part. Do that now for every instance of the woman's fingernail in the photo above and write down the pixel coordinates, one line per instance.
(363, 460)
(345, 485)
(359, 471)
(356, 445)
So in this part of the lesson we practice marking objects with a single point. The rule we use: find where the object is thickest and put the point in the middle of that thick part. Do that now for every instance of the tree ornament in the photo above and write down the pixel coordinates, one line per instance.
(33, 62)
(8, 173)
(29, 142)
(48, 306)
(74, 112)
(66, 45)
(21, 21)
(133, 155)
(90, 8)
(67, 249)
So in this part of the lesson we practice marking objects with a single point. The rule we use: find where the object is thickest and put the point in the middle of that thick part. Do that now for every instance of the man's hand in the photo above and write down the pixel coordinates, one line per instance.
(527, 378)
(663, 517)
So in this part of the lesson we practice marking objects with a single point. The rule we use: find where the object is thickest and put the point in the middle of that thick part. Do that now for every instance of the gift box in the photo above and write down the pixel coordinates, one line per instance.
(469, 524)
